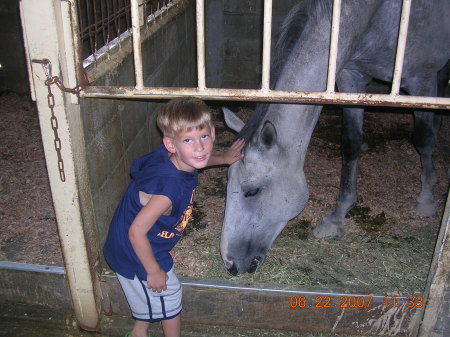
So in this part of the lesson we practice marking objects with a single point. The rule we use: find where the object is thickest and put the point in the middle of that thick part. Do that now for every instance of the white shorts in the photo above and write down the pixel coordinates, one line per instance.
(148, 305)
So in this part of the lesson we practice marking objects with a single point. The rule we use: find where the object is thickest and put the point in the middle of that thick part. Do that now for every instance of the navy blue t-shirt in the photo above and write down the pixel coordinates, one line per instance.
(153, 173)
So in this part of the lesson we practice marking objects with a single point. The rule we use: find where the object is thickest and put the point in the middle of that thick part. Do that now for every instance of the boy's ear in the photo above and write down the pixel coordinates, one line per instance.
(168, 143)
(213, 133)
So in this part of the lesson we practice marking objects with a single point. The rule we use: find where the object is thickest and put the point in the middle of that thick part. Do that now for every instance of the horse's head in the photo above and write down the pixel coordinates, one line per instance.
(263, 193)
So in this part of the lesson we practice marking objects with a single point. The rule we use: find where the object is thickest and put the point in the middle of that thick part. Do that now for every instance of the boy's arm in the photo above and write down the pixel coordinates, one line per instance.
(230, 156)
(146, 218)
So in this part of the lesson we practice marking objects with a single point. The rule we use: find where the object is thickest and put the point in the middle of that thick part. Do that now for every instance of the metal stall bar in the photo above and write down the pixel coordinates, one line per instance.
(334, 46)
(200, 13)
(267, 38)
(78, 62)
(137, 52)
(274, 96)
(403, 32)
(66, 17)
(265, 94)
(46, 37)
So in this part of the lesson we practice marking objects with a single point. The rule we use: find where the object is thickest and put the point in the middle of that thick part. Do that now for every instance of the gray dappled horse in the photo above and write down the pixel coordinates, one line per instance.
(268, 187)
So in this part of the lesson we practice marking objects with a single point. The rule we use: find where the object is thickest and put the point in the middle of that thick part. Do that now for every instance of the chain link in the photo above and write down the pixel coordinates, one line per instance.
(47, 66)
(54, 123)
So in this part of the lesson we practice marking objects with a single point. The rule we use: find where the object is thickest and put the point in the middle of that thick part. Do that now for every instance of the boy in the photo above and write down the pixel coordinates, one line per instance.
(155, 209)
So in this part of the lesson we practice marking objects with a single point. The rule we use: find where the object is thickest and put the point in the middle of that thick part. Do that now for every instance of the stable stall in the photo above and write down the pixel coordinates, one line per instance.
(99, 73)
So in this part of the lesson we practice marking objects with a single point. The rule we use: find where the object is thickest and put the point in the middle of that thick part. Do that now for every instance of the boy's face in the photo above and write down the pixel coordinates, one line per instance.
(191, 149)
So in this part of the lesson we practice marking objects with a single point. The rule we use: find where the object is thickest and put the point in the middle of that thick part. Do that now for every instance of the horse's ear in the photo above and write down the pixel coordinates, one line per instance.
(232, 120)
(268, 134)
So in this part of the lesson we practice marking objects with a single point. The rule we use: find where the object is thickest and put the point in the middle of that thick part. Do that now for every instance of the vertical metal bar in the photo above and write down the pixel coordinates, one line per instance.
(333, 46)
(116, 18)
(43, 30)
(137, 53)
(267, 42)
(200, 10)
(103, 25)
(77, 41)
(84, 43)
(142, 15)
(403, 32)
(110, 17)
(69, 44)
(91, 32)
(127, 13)
(97, 26)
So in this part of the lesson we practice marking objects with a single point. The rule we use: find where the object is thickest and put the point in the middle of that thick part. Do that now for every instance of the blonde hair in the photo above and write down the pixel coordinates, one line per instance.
(183, 114)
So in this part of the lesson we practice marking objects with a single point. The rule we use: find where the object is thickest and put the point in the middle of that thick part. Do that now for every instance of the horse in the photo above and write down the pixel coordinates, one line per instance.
(268, 187)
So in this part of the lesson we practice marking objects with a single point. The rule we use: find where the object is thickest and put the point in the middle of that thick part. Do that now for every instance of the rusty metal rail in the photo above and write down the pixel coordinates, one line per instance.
(273, 96)
(265, 94)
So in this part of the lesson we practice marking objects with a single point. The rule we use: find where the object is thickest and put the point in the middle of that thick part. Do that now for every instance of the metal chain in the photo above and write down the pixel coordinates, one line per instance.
(54, 123)
(47, 66)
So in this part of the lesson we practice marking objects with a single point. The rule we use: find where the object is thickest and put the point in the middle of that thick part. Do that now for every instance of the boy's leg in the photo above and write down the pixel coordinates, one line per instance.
(140, 329)
(147, 305)
(172, 327)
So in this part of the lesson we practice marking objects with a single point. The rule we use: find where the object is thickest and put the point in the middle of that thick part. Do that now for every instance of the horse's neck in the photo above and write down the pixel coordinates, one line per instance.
(306, 66)
(304, 70)
(294, 125)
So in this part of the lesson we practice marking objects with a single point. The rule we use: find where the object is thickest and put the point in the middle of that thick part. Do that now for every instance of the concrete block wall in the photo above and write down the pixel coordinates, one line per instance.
(242, 44)
(117, 131)
(234, 40)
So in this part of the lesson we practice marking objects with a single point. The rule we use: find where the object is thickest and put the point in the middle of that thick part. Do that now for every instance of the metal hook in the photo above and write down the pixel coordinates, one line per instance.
(46, 65)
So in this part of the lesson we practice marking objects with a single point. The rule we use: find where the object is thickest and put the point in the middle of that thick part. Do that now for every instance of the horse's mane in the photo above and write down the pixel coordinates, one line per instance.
(291, 30)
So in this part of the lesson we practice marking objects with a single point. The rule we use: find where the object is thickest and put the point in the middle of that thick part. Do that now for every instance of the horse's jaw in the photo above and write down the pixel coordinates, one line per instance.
(240, 257)
(257, 210)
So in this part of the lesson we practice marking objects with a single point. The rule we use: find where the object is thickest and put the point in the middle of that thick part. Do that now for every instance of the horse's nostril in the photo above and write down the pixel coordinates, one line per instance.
(233, 269)
(254, 264)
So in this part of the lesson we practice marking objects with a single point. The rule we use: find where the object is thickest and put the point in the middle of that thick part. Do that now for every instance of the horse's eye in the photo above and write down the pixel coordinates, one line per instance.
(251, 193)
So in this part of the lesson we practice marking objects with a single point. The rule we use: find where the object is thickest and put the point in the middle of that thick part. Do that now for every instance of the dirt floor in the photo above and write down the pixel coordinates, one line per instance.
(28, 231)
(387, 247)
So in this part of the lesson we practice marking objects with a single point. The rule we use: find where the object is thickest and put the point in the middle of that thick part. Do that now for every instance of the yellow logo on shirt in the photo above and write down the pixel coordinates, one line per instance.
(166, 235)
(182, 222)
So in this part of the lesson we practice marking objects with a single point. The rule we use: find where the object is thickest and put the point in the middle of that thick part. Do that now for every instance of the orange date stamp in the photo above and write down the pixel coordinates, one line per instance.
(349, 301)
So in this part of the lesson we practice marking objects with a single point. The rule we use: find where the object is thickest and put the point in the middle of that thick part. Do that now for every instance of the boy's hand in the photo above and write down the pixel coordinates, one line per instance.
(156, 281)
(234, 154)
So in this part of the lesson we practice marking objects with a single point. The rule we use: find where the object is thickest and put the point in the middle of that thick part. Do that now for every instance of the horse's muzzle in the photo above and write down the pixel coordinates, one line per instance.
(233, 269)
(254, 264)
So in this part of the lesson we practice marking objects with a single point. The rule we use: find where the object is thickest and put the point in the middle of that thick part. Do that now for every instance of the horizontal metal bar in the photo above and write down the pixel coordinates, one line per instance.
(264, 288)
(272, 96)
(233, 285)
(28, 267)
